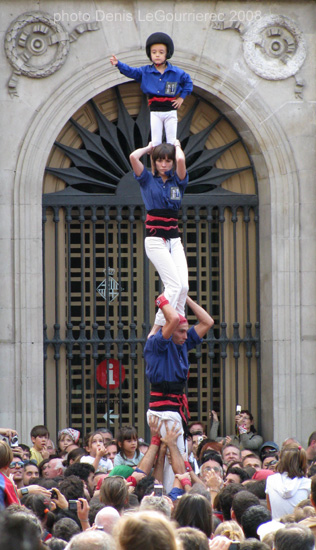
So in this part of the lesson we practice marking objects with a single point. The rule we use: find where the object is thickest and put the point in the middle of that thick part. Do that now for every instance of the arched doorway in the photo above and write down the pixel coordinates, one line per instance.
(96, 323)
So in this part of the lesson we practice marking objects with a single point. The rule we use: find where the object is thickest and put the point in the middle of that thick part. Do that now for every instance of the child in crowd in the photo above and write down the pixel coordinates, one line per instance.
(129, 453)
(8, 492)
(68, 439)
(97, 453)
(39, 438)
(165, 84)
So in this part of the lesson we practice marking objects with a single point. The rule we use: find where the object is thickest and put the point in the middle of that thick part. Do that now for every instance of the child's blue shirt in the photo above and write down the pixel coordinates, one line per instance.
(172, 82)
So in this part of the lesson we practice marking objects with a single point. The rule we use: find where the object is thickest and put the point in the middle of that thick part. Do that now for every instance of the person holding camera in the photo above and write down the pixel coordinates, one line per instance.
(246, 436)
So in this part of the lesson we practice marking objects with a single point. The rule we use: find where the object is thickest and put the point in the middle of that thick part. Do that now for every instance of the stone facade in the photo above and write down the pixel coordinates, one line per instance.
(257, 59)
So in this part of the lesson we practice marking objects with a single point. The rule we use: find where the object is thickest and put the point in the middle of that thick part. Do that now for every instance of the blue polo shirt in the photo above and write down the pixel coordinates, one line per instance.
(167, 361)
(162, 195)
(172, 82)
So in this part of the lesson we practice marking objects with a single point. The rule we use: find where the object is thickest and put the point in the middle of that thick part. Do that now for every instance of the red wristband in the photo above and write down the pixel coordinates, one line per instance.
(188, 466)
(132, 480)
(185, 481)
(161, 301)
(155, 440)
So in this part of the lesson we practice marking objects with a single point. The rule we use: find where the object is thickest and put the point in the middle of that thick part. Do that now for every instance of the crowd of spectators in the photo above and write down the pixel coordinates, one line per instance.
(102, 493)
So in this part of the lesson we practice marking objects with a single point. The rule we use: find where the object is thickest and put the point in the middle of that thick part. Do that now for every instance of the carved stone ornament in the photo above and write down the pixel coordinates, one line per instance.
(274, 47)
(37, 46)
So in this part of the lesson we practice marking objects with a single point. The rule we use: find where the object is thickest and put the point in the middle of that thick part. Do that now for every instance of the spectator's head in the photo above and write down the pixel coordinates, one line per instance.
(50, 447)
(17, 469)
(65, 529)
(107, 435)
(56, 544)
(26, 451)
(54, 468)
(83, 471)
(106, 519)
(67, 439)
(192, 539)
(225, 498)
(40, 506)
(241, 502)
(127, 440)
(235, 474)
(6, 455)
(150, 530)
(253, 544)
(252, 518)
(19, 530)
(230, 453)
(268, 448)
(72, 488)
(194, 511)
(112, 449)
(253, 461)
(92, 540)
(294, 537)
(114, 492)
(231, 530)
(75, 455)
(196, 428)
(39, 437)
(31, 471)
(160, 504)
(293, 461)
(270, 462)
(211, 460)
(247, 420)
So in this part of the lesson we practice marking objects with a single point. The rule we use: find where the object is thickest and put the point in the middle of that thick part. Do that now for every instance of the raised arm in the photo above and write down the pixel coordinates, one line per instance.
(205, 320)
(135, 157)
(181, 168)
(171, 316)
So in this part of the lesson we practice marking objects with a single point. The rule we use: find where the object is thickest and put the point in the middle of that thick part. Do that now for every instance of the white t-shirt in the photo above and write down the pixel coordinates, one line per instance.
(105, 464)
(285, 493)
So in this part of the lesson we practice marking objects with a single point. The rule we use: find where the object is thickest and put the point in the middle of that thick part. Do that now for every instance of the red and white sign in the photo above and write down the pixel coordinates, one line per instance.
(114, 373)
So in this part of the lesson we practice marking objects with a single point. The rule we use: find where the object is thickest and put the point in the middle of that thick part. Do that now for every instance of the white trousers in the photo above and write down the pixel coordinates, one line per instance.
(160, 119)
(170, 418)
(169, 260)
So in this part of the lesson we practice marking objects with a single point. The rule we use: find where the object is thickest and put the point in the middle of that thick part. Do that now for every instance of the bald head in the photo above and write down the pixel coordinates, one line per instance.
(106, 519)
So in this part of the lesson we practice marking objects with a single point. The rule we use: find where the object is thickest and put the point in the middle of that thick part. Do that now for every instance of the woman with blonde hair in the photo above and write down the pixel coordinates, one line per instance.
(150, 530)
(231, 530)
(289, 485)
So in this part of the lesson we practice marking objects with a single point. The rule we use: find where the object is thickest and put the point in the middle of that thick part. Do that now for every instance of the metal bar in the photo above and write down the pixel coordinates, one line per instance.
(132, 347)
(56, 324)
(198, 353)
(82, 336)
(223, 324)
(235, 324)
(248, 337)
(120, 335)
(258, 338)
(95, 336)
(69, 346)
(44, 220)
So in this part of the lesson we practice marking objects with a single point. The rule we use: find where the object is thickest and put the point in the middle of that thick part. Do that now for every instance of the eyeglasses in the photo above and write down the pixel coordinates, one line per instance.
(209, 469)
(15, 464)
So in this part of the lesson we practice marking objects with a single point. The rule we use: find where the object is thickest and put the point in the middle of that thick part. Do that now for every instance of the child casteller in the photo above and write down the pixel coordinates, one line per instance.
(165, 85)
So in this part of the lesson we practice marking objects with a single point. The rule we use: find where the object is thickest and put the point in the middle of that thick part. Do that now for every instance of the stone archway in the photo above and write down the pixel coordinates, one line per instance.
(278, 185)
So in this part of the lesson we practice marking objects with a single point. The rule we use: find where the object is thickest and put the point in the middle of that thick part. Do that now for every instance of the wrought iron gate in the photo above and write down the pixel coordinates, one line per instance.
(99, 287)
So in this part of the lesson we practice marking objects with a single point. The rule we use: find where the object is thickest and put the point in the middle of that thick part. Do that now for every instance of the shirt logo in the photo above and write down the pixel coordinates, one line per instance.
(170, 88)
(175, 193)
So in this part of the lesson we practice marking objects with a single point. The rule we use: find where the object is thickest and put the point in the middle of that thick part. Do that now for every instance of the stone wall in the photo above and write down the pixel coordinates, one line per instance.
(257, 59)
